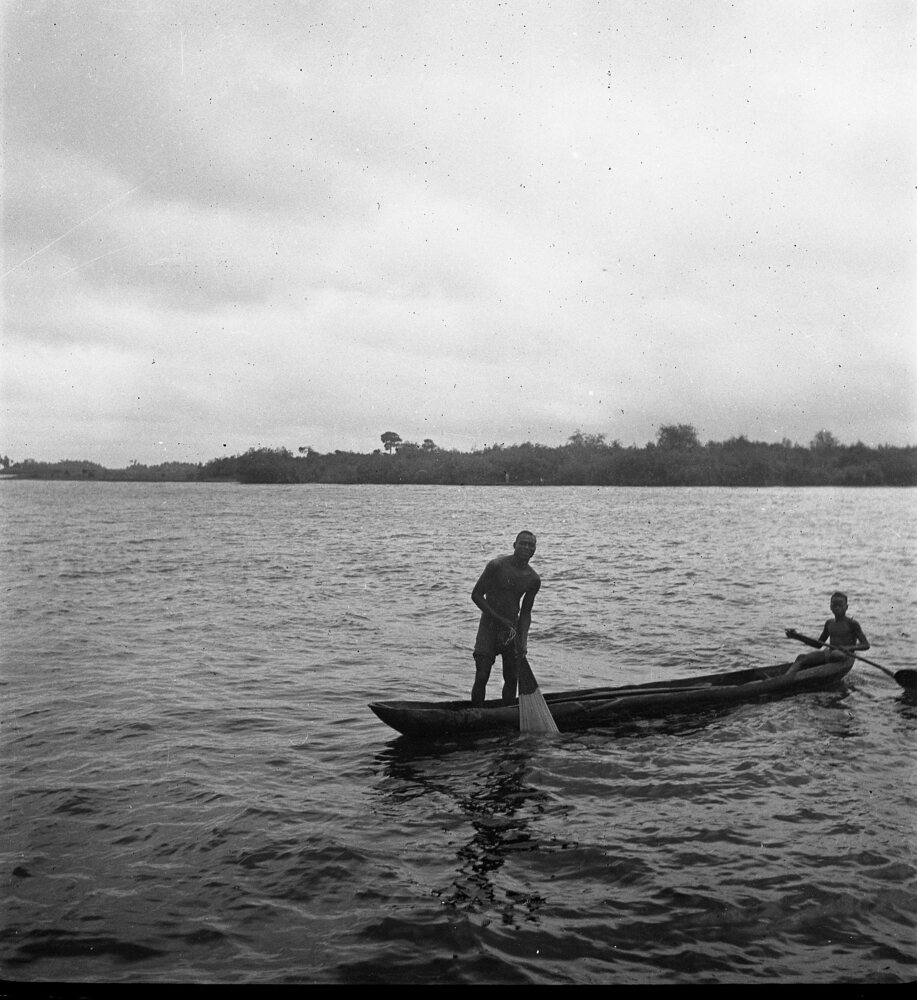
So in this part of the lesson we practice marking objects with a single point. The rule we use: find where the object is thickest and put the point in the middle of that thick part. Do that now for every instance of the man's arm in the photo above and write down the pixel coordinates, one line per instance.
(862, 643)
(478, 594)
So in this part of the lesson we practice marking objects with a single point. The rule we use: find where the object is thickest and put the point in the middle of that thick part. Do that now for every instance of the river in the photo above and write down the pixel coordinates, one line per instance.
(196, 792)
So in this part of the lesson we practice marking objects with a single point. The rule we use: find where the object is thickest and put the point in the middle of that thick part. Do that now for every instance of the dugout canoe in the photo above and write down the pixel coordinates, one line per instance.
(604, 706)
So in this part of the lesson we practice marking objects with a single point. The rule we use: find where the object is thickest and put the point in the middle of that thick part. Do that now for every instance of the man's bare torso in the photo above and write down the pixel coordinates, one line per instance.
(842, 633)
(505, 583)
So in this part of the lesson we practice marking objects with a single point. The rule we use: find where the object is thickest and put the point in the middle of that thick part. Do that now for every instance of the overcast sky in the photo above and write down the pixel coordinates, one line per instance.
(303, 223)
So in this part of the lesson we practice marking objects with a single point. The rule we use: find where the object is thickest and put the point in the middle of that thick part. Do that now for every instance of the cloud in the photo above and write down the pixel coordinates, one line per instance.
(309, 223)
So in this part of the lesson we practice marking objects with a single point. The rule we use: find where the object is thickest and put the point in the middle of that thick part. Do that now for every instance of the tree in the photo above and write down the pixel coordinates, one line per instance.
(824, 441)
(267, 465)
(580, 440)
(390, 441)
(677, 436)
(428, 444)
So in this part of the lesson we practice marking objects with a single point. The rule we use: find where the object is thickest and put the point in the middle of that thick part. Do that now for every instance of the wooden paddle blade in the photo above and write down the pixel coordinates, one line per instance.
(907, 678)
(534, 714)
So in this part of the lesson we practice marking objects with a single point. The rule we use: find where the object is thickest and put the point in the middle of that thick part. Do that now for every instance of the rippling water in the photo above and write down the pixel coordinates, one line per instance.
(195, 790)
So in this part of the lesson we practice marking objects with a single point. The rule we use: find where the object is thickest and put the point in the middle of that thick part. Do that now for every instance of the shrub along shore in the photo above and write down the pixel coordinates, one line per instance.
(676, 458)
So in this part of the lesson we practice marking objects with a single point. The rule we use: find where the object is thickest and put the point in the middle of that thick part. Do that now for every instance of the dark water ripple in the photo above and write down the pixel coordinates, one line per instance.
(197, 793)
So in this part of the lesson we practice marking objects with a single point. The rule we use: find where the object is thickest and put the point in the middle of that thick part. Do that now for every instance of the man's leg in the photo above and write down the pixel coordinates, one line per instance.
(482, 665)
(807, 660)
(510, 674)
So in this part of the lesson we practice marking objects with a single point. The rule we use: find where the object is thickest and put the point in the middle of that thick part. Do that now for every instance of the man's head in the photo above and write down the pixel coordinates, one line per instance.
(524, 546)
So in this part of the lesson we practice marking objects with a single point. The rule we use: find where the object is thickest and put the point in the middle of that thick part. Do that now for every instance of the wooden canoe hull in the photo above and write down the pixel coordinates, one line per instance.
(604, 706)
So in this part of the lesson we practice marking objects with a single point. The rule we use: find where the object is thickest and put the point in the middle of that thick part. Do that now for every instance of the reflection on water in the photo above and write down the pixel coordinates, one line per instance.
(492, 798)
(497, 810)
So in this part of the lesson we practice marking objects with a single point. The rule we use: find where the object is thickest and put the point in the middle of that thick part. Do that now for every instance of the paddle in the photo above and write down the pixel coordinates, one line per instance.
(534, 714)
(906, 678)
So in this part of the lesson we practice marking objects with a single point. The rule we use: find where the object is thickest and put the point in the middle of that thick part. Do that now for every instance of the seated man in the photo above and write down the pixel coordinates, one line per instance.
(842, 634)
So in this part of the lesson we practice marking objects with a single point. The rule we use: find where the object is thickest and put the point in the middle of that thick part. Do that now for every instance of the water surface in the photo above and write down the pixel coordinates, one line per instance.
(195, 790)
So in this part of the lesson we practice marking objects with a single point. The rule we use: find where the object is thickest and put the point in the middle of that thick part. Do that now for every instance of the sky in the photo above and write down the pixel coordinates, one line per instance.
(303, 224)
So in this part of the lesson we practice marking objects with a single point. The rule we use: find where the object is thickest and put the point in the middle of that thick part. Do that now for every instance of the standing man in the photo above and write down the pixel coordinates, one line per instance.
(505, 581)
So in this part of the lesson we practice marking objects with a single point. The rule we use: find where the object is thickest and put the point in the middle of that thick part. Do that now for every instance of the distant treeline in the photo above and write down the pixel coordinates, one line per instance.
(676, 458)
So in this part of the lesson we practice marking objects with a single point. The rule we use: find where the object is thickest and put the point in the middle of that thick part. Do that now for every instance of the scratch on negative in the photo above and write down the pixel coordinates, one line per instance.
(72, 229)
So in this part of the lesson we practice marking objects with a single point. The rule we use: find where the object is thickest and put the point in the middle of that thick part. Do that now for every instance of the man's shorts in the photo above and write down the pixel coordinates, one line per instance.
(493, 637)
